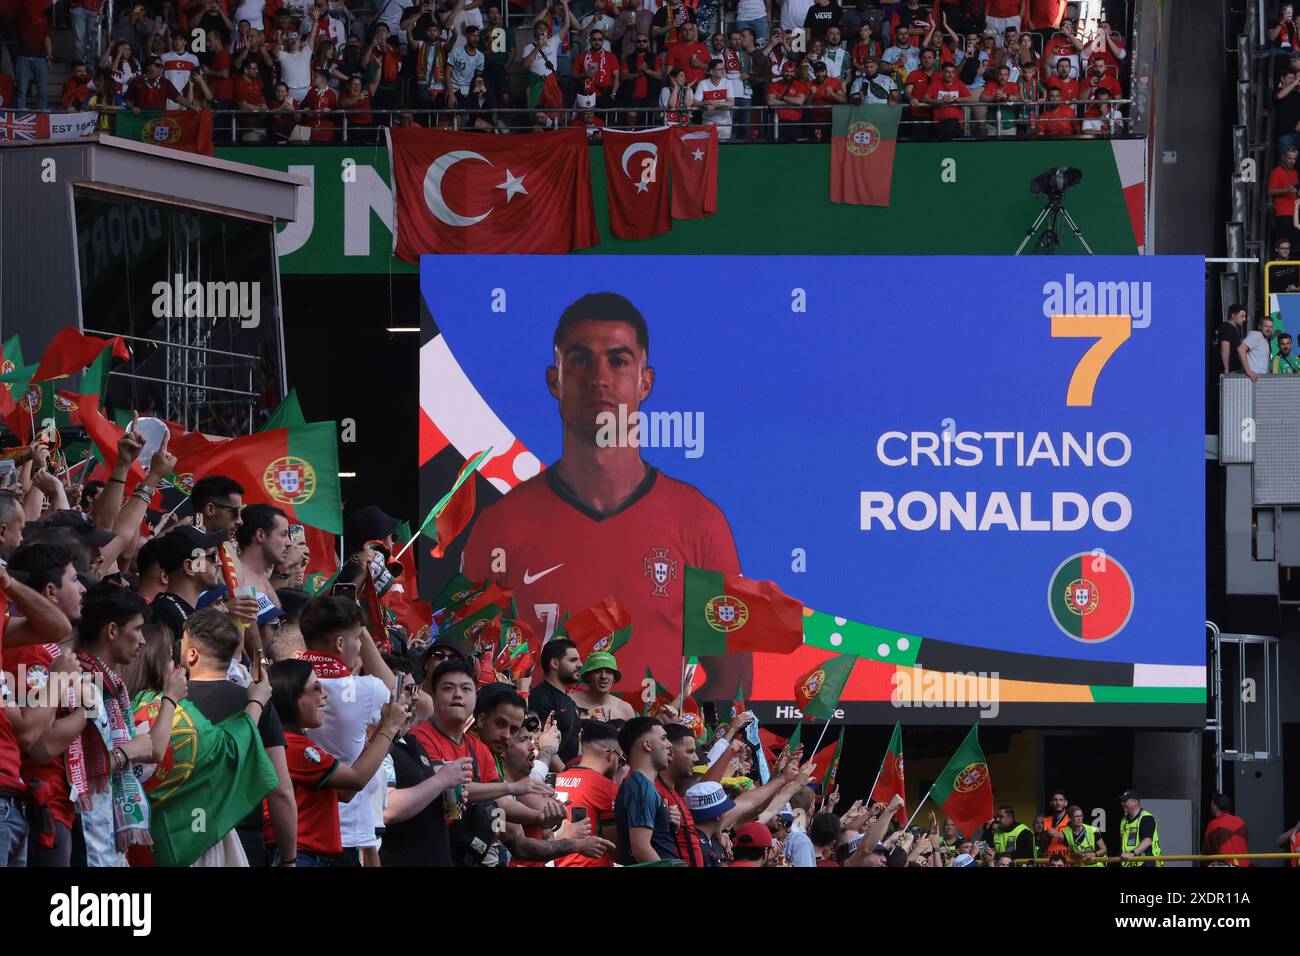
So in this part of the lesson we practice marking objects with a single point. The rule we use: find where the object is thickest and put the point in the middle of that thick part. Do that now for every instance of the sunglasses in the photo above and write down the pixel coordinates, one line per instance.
(532, 725)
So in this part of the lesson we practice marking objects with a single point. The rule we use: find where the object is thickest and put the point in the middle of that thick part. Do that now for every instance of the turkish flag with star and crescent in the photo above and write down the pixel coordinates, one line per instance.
(469, 193)
(636, 181)
(695, 171)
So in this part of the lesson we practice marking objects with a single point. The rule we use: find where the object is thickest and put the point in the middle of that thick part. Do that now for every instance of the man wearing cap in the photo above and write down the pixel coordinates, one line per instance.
(589, 785)
(708, 803)
(595, 701)
(1139, 836)
(188, 556)
(370, 535)
(752, 845)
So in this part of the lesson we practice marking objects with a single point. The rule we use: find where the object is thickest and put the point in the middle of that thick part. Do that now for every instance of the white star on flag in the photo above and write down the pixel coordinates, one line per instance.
(513, 185)
(698, 154)
(642, 186)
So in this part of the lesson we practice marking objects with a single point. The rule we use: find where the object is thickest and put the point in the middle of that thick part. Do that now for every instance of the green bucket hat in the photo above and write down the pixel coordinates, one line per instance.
(599, 660)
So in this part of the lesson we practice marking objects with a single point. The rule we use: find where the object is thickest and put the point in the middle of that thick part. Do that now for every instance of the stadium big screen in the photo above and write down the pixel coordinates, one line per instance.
(982, 476)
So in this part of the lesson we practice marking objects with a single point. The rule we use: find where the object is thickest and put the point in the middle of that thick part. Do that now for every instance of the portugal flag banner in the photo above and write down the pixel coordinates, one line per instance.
(602, 627)
(1091, 597)
(890, 779)
(189, 130)
(636, 182)
(695, 171)
(70, 351)
(963, 789)
(817, 693)
(725, 614)
(467, 193)
(862, 153)
(295, 469)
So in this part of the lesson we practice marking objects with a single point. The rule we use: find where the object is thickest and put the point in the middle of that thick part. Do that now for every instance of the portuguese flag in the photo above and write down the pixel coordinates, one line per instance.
(295, 469)
(452, 514)
(738, 702)
(287, 414)
(692, 718)
(862, 153)
(653, 695)
(726, 614)
(403, 598)
(520, 647)
(796, 738)
(890, 780)
(453, 594)
(476, 633)
(104, 435)
(1091, 597)
(211, 773)
(190, 130)
(834, 769)
(14, 374)
(602, 627)
(963, 789)
(70, 351)
(817, 693)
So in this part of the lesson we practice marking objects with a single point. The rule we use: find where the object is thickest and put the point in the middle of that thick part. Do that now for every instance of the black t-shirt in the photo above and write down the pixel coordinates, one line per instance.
(545, 700)
(420, 840)
(1280, 278)
(1288, 112)
(1232, 335)
(219, 699)
(171, 612)
(819, 19)
(661, 20)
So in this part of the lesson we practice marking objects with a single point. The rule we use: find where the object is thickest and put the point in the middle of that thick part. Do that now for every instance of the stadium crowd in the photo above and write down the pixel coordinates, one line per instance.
(759, 69)
(177, 693)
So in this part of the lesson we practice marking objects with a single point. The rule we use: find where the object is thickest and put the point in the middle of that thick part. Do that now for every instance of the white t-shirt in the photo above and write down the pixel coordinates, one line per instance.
(752, 10)
(910, 56)
(1256, 351)
(252, 11)
(467, 18)
(835, 61)
(882, 82)
(354, 703)
(550, 49)
(604, 23)
(706, 90)
(295, 70)
(462, 67)
(177, 67)
(793, 13)
(333, 27)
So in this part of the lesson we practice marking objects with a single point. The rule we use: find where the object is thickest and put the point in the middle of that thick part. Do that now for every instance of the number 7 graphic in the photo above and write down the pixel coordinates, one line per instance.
(1110, 331)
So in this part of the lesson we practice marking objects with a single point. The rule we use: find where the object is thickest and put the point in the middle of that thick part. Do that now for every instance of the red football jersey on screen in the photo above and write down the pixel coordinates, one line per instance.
(560, 556)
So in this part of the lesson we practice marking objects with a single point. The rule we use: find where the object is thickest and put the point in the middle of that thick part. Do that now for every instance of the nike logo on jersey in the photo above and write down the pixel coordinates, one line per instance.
(530, 578)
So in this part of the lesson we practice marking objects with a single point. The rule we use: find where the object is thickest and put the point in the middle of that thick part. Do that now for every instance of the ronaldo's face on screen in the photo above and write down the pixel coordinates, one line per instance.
(600, 366)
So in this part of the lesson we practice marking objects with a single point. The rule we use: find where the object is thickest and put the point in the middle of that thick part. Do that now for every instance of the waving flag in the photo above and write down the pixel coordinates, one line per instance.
(890, 780)
(963, 789)
(817, 693)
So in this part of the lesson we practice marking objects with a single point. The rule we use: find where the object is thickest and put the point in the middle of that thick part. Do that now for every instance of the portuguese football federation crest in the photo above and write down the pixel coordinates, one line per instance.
(726, 613)
(1090, 597)
(161, 132)
(290, 480)
(813, 683)
(970, 778)
(862, 139)
(660, 569)
(184, 483)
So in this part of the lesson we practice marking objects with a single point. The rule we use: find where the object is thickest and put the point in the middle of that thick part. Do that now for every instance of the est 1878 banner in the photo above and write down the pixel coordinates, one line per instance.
(982, 476)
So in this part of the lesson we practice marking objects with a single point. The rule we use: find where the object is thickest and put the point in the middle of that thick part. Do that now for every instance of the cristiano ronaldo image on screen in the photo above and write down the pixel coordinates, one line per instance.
(601, 522)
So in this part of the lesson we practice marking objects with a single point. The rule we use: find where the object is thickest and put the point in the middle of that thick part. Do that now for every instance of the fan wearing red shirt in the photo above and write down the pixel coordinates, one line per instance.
(917, 84)
(1001, 14)
(681, 763)
(1283, 184)
(1225, 833)
(1057, 119)
(600, 521)
(589, 786)
(1099, 78)
(220, 74)
(319, 777)
(1062, 45)
(597, 71)
(356, 100)
(79, 88)
(319, 99)
(942, 95)
(1107, 46)
(690, 55)
(1045, 14)
(1060, 80)
(826, 92)
(914, 18)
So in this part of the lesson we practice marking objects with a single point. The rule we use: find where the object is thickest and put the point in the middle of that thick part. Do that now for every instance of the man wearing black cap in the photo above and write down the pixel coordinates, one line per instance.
(1139, 837)
(188, 557)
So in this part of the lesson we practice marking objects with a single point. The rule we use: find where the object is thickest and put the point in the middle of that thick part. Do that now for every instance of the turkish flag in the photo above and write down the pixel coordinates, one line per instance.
(636, 181)
(469, 193)
(695, 171)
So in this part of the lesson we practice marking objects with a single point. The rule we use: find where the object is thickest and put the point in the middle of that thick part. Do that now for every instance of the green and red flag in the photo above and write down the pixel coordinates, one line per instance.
(602, 627)
(738, 701)
(519, 649)
(772, 744)
(453, 595)
(725, 613)
(862, 153)
(70, 351)
(14, 375)
(963, 789)
(817, 693)
(833, 770)
(287, 414)
(1091, 597)
(295, 469)
(476, 633)
(654, 695)
(190, 130)
(454, 510)
(491, 595)
(795, 740)
(822, 760)
(692, 718)
(403, 598)
(890, 780)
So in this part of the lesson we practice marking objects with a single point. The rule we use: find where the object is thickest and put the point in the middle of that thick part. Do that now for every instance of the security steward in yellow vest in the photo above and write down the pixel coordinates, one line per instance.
(1084, 842)
(1138, 835)
(1011, 838)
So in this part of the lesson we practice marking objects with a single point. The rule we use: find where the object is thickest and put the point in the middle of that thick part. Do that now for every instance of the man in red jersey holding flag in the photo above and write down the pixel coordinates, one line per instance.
(601, 521)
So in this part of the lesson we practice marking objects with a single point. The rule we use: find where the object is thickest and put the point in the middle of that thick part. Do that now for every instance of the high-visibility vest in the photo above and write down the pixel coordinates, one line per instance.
(1056, 845)
(1002, 840)
(1084, 844)
(1129, 839)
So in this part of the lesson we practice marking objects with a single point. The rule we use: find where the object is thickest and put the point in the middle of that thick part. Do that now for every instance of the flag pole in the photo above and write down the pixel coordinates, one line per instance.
(817, 745)
(917, 810)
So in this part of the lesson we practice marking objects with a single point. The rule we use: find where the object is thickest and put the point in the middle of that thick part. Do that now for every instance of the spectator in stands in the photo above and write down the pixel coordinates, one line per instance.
(872, 86)
(79, 88)
(152, 91)
(1106, 46)
(1025, 51)
(667, 24)
(945, 50)
(754, 15)
(1229, 337)
(249, 98)
(35, 52)
(676, 99)
(942, 96)
(1284, 34)
(220, 73)
(632, 21)
(826, 92)
(820, 17)
(788, 94)
(382, 60)
(324, 25)
(836, 56)
(179, 64)
(642, 78)
(500, 52)
(1284, 362)
(356, 101)
(1061, 79)
(481, 107)
(912, 20)
(1103, 119)
(865, 44)
(282, 113)
(1003, 15)
(431, 71)
(1286, 102)
(596, 71)
(736, 64)
(1065, 46)
(1098, 77)
(1283, 278)
(541, 58)
(713, 95)
(317, 106)
(598, 20)
(1225, 833)
(463, 62)
(1254, 349)
(689, 55)
(1030, 92)
(1283, 186)
(919, 115)
(85, 24)
(1058, 119)
(644, 831)
(902, 58)
(135, 27)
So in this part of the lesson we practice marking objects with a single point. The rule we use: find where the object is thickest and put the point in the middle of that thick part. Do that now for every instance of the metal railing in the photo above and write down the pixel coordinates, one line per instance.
(753, 123)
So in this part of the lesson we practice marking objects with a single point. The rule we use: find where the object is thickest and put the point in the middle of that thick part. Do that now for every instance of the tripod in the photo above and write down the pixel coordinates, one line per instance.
(1050, 240)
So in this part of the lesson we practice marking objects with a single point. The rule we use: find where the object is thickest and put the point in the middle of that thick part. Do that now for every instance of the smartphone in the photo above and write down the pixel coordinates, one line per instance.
(579, 814)
(297, 534)
(343, 590)
(7, 471)
(550, 780)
